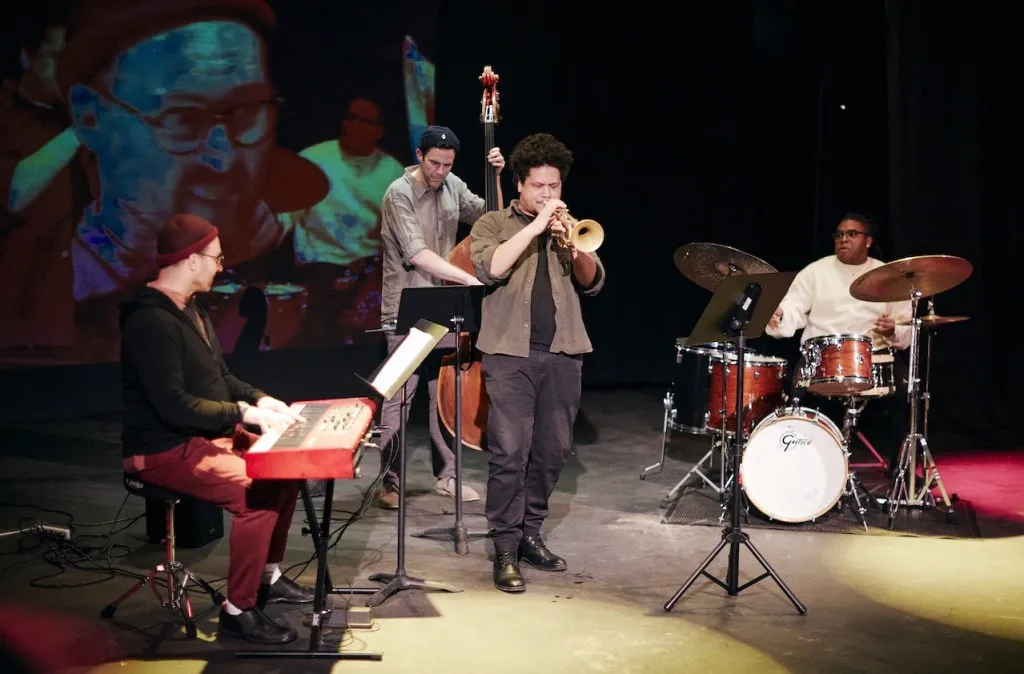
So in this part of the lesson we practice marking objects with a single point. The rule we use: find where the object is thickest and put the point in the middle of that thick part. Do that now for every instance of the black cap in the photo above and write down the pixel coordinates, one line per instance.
(438, 136)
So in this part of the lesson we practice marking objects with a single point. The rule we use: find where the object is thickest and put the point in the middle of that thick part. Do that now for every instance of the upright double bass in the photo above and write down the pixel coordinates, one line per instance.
(474, 395)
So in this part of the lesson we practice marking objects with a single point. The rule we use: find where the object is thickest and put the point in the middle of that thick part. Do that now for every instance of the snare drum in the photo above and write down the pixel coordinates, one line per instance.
(836, 365)
(794, 468)
(883, 376)
(763, 378)
(691, 386)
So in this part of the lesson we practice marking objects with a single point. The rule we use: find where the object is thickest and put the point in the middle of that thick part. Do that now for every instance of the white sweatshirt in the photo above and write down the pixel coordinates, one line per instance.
(819, 302)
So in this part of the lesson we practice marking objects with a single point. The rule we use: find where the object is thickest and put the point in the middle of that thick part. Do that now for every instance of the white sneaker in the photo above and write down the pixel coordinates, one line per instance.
(446, 487)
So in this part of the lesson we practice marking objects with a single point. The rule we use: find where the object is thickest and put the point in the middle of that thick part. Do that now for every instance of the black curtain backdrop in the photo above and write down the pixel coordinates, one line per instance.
(757, 125)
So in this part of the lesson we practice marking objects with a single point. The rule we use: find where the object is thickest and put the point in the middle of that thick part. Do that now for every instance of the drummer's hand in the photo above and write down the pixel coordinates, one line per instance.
(775, 320)
(885, 325)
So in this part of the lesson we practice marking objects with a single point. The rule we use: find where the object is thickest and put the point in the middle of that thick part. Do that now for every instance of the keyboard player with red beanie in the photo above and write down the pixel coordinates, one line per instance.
(184, 424)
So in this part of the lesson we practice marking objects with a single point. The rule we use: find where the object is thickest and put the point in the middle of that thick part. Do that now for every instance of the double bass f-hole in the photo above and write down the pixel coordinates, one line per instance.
(475, 403)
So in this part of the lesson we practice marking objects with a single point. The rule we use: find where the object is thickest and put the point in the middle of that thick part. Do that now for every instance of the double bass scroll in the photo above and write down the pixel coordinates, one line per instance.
(475, 402)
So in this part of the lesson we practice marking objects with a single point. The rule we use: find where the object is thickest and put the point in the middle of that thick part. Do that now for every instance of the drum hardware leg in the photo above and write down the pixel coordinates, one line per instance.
(904, 489)
(733, 535)
(674, 493)
(666, 433)
(871, 448)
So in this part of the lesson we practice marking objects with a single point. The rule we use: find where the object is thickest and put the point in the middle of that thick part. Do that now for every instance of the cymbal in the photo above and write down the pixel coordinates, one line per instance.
(927, 274)
(706, 264)
(933, 320)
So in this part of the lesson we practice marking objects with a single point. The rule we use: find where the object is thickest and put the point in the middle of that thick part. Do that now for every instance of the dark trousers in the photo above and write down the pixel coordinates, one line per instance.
(533, 403)
(441, 456)
(884, 421)
(214, 471)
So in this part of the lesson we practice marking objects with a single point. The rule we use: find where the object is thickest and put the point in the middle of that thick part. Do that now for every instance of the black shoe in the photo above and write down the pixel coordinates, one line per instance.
(507, 577)
(284, 591)
(253, 626)
(533, 551)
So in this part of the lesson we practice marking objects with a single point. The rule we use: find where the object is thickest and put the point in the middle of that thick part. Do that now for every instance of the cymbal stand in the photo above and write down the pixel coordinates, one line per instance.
(904, 489)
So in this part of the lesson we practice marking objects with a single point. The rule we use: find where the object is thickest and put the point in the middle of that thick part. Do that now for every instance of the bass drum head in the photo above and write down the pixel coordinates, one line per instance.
(794, 468)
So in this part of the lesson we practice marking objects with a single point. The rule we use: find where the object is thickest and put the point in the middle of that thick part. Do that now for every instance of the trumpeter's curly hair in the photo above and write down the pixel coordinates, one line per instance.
(540, 149)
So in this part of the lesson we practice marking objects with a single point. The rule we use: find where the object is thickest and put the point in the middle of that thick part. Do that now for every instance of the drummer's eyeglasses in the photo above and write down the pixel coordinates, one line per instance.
(848, 233)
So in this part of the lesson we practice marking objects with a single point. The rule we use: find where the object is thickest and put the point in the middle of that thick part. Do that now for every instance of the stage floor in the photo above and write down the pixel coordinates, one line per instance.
(949, 601)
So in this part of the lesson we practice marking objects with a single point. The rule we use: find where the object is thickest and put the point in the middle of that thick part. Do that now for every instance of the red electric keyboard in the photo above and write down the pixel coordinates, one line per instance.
(327, 445)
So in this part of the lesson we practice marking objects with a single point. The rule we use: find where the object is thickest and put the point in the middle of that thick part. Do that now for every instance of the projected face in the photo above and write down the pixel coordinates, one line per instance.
(41, 64)
(182, 122)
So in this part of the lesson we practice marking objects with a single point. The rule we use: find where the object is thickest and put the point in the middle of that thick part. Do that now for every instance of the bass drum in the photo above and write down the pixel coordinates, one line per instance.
(794, 468)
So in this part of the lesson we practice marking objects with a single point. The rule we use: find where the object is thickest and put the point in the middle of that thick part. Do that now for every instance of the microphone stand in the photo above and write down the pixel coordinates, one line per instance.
(733, 535)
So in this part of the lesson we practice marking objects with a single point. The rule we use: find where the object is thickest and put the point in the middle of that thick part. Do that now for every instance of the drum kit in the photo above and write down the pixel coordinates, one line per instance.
(795, 463)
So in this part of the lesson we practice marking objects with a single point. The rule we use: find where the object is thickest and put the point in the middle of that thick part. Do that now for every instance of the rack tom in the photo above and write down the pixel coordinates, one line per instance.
(836, 365)
(763, 378)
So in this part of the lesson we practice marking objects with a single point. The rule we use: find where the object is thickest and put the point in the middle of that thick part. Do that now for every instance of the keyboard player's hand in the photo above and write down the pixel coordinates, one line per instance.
(267, 419)
(275, 405)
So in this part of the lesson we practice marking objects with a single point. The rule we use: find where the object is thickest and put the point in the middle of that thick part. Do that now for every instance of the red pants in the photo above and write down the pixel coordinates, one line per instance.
(214, 471)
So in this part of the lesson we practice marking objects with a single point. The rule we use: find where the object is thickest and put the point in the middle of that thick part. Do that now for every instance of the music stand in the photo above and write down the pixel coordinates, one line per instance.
(459, 306)
(740, 308)
(390, 376)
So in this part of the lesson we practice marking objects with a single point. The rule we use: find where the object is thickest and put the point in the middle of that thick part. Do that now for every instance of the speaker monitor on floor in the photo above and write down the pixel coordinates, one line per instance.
(196, 523)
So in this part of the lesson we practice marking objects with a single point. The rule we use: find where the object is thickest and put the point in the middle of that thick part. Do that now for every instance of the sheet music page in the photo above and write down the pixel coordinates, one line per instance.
(413, 344)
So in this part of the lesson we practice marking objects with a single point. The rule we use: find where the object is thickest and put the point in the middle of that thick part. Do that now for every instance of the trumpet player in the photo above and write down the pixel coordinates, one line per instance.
(532, 336)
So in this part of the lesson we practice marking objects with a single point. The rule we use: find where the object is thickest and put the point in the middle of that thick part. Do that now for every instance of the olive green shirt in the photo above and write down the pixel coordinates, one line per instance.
(505, 324)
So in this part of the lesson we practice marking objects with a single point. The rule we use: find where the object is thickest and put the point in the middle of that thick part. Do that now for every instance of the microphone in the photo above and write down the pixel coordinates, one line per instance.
(743, 309)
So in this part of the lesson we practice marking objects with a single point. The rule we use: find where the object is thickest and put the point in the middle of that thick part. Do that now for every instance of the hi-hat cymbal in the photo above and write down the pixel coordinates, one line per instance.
(926, 274)
(933, 320)
(706, 264)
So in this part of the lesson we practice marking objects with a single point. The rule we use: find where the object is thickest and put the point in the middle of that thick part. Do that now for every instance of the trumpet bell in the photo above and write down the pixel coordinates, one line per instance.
(587, 236)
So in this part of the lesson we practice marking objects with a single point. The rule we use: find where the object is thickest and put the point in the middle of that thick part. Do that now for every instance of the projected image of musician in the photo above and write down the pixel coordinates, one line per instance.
(337, 241)
(45, 186)
(175, 100)
(421, 213)
(533, 338)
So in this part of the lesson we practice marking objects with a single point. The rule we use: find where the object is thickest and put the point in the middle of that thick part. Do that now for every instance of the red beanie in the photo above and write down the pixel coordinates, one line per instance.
(181, 236)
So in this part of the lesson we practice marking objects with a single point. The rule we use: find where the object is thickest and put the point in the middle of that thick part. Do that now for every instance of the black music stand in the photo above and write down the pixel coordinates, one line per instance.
(460, 307)
(740, 308)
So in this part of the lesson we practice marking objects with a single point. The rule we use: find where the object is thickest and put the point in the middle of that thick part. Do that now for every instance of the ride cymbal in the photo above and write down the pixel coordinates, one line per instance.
(932, 320)
(706, 264)
(926, 274)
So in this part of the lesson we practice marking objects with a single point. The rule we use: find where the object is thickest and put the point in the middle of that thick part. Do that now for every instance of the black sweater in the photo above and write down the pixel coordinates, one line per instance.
(175, 385)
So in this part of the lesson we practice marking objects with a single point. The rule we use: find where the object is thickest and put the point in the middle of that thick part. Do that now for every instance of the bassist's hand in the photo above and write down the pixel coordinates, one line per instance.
(495, 159)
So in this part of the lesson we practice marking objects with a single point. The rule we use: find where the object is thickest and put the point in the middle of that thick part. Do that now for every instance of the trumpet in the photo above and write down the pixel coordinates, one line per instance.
(585, 236)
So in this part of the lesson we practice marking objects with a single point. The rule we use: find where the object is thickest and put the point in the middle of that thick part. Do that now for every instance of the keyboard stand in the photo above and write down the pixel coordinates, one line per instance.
(323, 617)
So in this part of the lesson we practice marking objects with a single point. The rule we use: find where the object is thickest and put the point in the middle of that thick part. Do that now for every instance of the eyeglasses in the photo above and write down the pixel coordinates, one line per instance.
(848, 233)
(218, 258)
(181, 130)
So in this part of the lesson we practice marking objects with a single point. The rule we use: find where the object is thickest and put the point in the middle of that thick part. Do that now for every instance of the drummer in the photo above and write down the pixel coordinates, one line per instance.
(819, 303)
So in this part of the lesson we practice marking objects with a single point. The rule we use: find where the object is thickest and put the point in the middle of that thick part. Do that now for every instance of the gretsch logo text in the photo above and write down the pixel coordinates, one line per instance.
(792, 440)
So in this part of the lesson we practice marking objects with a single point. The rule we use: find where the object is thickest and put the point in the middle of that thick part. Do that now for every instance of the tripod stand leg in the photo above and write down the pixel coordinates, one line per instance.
(395, 583)
(702, 569)
(673, 494)
(931, 474)
(852, 482)
(771, 572)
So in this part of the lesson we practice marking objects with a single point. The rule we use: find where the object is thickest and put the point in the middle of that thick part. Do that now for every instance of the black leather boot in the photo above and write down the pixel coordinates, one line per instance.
(507, 577)
(284, 591)
(533, 551)
(253, 626)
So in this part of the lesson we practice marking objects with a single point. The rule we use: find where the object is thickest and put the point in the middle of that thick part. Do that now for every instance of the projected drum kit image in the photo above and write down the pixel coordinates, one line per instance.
(795, 461)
